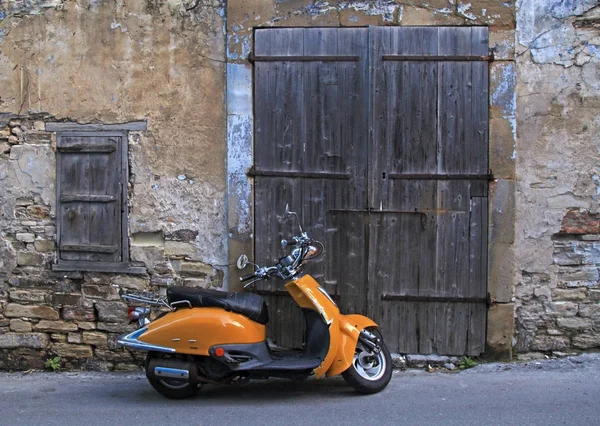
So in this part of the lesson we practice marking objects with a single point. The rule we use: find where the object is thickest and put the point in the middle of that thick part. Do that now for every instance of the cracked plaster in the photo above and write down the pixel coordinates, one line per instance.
(558, 110)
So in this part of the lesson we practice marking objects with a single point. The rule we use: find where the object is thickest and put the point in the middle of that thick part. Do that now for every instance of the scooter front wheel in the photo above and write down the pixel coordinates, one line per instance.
(370, 372)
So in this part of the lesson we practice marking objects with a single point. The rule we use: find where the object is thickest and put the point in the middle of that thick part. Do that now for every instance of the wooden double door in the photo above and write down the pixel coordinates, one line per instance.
(378, 138)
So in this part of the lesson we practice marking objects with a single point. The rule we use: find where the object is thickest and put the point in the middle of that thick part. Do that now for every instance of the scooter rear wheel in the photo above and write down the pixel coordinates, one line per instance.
(171, 388)
(370, 372)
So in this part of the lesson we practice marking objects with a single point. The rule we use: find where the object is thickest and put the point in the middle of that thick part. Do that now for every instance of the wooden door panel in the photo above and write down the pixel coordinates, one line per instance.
(309, 153)
(378, 139)
(428, 281)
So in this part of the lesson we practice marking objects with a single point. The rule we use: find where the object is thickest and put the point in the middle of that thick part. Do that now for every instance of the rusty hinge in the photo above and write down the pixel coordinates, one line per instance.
(439, 58)
(437, 176)
(291, 174)
(304, 58)
(438, 299)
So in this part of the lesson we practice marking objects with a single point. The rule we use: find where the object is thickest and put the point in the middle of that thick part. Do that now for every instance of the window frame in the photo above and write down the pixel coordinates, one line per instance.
(79, 130)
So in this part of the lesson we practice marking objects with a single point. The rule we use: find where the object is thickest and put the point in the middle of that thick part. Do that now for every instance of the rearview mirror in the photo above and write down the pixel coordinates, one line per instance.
(242, 262)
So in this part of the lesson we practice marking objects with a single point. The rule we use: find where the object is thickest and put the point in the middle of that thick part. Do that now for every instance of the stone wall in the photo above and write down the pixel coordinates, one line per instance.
(108, 62)
(557, 289)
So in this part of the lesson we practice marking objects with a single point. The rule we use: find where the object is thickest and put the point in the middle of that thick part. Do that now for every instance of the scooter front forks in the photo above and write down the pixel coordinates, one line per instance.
(370, 340)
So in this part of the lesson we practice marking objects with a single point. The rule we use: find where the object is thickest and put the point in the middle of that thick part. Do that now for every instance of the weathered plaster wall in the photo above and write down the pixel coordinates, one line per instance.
(244, 15)
(558, 168)
(110, 62)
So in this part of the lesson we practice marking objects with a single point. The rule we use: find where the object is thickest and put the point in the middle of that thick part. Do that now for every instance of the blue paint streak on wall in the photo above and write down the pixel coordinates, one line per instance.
(239, 144)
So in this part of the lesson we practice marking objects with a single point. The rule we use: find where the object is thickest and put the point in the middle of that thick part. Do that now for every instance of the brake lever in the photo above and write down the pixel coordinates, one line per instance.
(253, 281)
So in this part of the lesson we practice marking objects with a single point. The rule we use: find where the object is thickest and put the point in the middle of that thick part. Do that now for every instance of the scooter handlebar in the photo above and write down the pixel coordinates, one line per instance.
(247, 277)
(289, 242)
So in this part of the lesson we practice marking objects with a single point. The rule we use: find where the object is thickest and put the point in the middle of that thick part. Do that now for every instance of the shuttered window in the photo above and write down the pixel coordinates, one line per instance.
(92, 201)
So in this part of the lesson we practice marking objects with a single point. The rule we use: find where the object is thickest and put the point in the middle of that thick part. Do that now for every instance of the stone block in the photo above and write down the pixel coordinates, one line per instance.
(155, 239)
(24, 201)
(196, 282)
(543, 293)
(148, 255)
(50, 231)
(20, 326)
(95, 338)
(29, 258)
(502, 212)
(74, 338)
(179, 249)
(14, 310)
(127, 367)
(162, 281)
(119, 328)
(500, 330)
(568, 256)
(589, 310)
(574, 323)
(38, 211)
(574, 294)
(105, 292)
(550, 343)
(28, 296)
(78, 314)
(561, 309)
(580, 276)
(66, 299)
(86, 325)
(55, 326)
(120, 356)
(420, 361)
(44, 246)
(501, 272)
(131, 282)
(578, 222)
(195, 269)
(587, 341)
(24, 340)
(67, 350)
(25, 237)
(502, 152)
(113, 312)
(594, 294)
(58, 337)
(164, 268)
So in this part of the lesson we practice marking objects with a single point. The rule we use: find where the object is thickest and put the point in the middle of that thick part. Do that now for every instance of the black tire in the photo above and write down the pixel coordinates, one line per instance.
(172, 388)
(376, 384)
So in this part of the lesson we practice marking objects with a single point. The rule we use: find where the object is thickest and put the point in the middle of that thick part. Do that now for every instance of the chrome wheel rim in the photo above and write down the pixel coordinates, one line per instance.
(174, 383)
(368, 364)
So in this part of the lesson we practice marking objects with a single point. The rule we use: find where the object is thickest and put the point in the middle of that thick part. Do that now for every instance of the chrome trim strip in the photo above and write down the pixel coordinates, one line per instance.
(130, 341)
(171, 373)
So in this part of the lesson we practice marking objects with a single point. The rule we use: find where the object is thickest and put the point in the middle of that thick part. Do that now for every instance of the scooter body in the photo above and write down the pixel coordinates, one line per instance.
(201, 331)
(209, 336)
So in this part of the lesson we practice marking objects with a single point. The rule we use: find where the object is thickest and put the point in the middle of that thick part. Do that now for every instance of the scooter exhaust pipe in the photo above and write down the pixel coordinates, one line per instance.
(172, 369)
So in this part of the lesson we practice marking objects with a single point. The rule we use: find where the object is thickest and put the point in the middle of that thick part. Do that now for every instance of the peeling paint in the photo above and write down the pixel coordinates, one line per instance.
(504, 94)
(463, 10)
(541, 28)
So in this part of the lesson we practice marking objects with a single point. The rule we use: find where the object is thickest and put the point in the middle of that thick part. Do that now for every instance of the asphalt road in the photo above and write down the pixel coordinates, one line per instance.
(552, 392)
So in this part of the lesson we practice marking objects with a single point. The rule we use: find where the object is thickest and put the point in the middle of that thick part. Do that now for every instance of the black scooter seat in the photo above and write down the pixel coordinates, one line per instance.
(250, 305)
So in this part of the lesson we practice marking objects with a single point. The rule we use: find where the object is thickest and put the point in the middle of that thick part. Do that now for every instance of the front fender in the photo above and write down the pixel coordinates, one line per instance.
(350, 327)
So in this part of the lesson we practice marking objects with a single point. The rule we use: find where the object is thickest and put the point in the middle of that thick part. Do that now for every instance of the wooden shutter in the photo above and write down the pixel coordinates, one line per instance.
(90, 192)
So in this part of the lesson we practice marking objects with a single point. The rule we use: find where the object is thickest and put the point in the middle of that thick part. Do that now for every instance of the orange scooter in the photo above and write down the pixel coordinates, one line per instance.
(208, 336)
